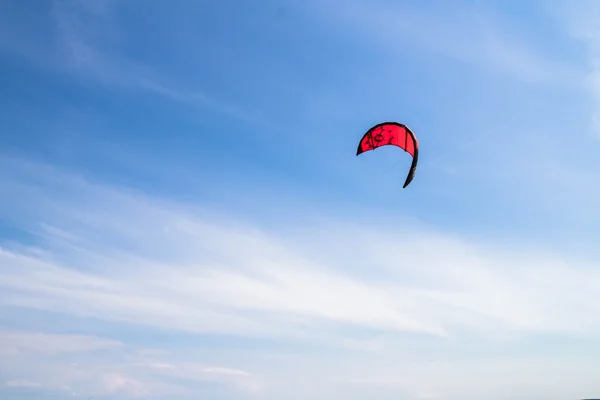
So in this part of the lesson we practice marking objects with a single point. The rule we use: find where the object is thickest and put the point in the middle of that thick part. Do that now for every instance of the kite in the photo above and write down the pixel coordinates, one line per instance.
(394, 134)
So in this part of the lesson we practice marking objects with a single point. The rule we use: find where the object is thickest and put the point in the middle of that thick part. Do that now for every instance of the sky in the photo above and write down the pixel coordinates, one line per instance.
(183, 214)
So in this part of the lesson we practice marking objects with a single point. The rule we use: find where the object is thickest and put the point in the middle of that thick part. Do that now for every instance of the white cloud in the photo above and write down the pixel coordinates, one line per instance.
(117, 383)
(22, 383)
(210, 273)
(124, 372)
(224, 371)
(16, 342)
(357, 289)
(199, 372)
(178, 268)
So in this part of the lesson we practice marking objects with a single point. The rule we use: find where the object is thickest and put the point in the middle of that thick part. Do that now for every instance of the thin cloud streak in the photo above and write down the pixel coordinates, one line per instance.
(580, 19)
(80, 364)
(467, 34)
(85, 32)
(16, 342)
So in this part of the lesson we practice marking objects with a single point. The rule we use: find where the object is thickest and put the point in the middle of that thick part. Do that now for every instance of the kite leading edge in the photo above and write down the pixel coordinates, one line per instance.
(393, 134)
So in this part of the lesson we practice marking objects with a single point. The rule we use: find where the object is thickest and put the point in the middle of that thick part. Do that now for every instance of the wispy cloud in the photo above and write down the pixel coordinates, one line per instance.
(17, 342)
(62, 362)
(89, 43)
(22, 383)
(466, 33)
(580, 21)
(202, 100)
(202, 273)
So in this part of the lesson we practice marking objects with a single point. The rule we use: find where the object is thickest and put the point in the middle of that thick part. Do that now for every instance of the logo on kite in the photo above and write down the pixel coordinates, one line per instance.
(392, 134)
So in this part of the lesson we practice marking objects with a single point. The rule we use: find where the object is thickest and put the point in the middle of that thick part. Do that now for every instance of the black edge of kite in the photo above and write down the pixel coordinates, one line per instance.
(413, 167)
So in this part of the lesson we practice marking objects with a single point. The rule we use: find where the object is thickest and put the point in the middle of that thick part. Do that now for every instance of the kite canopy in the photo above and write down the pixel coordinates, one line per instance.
(392, 134)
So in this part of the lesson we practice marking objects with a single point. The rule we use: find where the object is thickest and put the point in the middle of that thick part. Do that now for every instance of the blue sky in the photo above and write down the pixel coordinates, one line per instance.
(183, 216)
